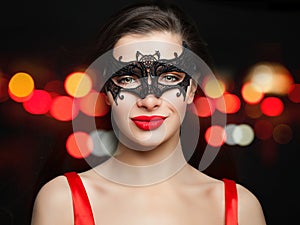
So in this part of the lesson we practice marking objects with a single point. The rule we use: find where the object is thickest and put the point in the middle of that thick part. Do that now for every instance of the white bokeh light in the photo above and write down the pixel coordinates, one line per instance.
(229, 129)
(243, 135)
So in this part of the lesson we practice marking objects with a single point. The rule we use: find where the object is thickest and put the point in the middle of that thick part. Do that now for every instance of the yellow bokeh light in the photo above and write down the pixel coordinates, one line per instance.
(252, 93)
(214, 88)
(78, 84)
(262, 77)
(21, 85)
(271, 78)
(282, 81)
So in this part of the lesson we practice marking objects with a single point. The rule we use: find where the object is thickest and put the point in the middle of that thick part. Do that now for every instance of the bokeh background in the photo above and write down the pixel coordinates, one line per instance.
(255, 47)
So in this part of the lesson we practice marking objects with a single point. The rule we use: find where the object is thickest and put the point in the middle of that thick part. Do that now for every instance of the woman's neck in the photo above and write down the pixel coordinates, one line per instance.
(148, 157)
(141, 168)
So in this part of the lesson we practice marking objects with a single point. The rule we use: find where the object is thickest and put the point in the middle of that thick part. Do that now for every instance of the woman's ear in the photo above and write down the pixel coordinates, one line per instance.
(191, 93)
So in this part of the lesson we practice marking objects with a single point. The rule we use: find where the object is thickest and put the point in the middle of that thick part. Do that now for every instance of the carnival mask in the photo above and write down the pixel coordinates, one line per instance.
(148, 74)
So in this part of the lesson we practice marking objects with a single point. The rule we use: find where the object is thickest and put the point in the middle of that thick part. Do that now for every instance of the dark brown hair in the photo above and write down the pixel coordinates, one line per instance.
(142, 18)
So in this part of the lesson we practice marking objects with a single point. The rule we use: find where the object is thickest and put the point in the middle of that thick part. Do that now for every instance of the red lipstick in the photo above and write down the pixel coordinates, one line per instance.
(148, 122)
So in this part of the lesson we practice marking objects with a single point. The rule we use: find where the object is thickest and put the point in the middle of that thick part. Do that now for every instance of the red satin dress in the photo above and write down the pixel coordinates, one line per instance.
(83, 214)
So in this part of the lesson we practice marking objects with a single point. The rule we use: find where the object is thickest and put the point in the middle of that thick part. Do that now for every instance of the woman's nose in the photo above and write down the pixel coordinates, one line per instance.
(150, 102)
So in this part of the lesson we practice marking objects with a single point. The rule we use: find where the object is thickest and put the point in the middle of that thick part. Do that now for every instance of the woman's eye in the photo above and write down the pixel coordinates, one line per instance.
(170, 79)
(126, 81)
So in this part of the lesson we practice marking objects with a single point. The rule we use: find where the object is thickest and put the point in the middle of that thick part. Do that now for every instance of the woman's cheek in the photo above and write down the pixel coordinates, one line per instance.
(177, 104)
(122, 110)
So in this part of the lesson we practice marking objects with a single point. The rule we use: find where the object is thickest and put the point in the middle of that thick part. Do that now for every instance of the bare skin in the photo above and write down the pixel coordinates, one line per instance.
(188, 197)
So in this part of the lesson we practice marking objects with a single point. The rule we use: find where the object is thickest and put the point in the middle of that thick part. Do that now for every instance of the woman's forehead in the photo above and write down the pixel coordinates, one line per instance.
(165, 43)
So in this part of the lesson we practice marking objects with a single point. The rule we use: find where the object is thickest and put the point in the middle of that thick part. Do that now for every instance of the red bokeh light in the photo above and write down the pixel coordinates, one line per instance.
(272, 106)
(39, 103)
(263, 129)
(19, 99)
(203, 107)
(294, 93)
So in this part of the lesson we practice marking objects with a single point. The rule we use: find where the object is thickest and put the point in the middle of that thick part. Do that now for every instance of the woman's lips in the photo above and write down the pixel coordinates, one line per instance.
(148, 122)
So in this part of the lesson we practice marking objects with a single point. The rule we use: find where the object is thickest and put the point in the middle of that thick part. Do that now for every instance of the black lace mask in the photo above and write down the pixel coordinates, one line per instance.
(148, 74)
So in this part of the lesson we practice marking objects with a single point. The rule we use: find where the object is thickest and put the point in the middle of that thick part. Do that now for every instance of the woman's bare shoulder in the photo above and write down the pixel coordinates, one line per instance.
(53, 199)
(58, 188)
(204, 179)
(249, 207)
(203, 184)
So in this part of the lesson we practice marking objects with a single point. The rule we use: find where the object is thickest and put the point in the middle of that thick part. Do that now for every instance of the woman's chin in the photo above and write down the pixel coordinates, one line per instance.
(141, 142)
(141, 146)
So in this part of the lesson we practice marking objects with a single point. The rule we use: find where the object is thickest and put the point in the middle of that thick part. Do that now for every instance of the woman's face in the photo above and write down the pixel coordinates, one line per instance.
(149, 109)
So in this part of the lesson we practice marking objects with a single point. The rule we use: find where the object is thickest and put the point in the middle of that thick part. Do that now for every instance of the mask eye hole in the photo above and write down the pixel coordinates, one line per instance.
(127, 81)
(171, 78)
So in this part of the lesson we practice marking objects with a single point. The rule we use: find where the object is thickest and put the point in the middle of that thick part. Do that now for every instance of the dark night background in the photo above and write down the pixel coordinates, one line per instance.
(50, 38)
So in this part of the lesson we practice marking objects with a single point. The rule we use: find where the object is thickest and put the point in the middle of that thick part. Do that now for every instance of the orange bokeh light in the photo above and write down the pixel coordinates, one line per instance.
(251, 93)
(228, 104)
(79, 145)
(94, 104)
(21, 86)
(215, 136)
(64, 108)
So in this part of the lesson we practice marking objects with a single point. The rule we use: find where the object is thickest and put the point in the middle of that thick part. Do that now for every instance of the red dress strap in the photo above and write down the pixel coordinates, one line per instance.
(83, 214)
(231, 202)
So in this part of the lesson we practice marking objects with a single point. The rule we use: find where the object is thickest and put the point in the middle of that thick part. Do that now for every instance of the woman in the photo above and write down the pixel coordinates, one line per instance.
(148, 181)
